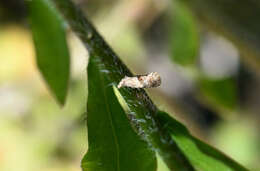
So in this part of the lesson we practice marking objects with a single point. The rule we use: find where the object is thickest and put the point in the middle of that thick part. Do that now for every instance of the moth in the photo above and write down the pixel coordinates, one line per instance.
(141, 81)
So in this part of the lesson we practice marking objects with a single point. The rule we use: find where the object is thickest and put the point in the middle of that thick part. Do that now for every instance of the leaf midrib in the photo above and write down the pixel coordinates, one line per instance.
(110, 119)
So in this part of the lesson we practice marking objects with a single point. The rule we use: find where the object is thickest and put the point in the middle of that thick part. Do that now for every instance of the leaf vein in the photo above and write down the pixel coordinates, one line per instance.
(111, 122)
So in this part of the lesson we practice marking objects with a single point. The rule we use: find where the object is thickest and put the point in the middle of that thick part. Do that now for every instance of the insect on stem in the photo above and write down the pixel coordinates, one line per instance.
(141, 81)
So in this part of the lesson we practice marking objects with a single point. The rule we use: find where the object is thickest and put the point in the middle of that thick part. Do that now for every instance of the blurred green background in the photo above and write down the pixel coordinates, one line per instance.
(205, 83)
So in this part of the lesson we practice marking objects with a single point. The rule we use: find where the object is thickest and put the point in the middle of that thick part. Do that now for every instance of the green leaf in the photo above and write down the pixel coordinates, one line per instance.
(202, 156)
(143, 112)
(184, 40)
(220, 92)
(51, 48)
(113, 144)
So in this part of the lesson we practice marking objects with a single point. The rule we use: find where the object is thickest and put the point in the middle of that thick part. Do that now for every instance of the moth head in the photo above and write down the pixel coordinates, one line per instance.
(155, 76)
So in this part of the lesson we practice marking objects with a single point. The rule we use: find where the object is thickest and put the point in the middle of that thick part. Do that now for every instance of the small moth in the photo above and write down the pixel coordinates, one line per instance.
(141, 81)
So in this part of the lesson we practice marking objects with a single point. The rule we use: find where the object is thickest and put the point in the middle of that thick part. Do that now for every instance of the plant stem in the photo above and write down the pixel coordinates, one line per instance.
(143, 112)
